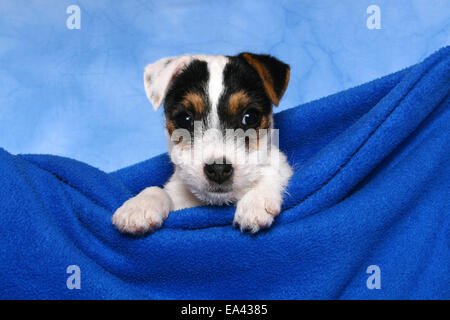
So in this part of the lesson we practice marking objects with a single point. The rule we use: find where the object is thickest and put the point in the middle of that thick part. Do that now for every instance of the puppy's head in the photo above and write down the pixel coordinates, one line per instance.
(218, 112)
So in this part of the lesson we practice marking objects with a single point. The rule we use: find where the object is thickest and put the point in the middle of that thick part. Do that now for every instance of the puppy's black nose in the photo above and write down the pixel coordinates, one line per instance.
(218, 172)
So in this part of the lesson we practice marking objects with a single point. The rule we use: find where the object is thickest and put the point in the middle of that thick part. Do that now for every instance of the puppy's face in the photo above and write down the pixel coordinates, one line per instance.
(218, 112)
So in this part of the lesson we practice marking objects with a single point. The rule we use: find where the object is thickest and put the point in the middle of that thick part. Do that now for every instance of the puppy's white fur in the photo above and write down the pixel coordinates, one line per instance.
(257, 188)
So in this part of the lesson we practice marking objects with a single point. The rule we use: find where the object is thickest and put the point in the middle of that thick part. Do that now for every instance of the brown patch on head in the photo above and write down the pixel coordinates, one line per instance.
(261, 131)
(265, 76)
(237, 102)
(265, 121)
(263, 128)
(194, 102)
(286, 82)
(170, 125)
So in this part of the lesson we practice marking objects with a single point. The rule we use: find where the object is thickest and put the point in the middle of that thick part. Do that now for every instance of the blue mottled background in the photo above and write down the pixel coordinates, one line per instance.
(79, 93)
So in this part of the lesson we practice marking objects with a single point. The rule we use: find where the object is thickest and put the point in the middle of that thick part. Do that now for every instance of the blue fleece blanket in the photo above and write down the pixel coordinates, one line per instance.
(368, 205)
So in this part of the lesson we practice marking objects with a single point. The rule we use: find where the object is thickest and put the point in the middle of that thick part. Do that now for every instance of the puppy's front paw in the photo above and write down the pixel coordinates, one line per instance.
(257, 210)
(144, 213)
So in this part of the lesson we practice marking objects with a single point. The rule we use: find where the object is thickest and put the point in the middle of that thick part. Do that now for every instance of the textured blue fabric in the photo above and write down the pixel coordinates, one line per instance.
(371, 187)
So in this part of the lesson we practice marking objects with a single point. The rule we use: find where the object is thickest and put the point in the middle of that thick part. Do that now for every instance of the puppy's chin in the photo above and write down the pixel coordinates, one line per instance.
(215, 196)
(219, 198)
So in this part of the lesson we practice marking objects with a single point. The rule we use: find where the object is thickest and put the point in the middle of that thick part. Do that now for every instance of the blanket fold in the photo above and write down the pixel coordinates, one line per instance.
(371, 187)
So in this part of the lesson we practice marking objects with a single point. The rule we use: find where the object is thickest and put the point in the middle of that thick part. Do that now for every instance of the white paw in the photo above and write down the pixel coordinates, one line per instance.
(257, 210)
(144, 213)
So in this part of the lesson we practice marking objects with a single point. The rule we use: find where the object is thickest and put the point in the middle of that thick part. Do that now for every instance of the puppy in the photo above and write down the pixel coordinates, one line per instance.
(219, 125)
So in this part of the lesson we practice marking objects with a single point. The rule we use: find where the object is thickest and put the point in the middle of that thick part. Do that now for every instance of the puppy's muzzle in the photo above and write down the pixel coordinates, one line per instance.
(218, 172)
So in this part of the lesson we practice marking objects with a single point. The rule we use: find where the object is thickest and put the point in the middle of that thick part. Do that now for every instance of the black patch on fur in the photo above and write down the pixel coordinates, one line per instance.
(240, 76)
(194, 79)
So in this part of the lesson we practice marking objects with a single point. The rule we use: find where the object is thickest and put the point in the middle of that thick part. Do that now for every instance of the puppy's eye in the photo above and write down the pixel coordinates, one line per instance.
(251, 118)
(184, 121)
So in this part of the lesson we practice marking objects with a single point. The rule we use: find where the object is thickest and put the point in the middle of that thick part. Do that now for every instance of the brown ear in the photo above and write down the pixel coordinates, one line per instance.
(273, 73)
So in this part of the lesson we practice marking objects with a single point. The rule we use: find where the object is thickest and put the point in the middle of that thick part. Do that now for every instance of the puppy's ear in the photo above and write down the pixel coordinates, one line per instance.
(158, 77)
(273, 73)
